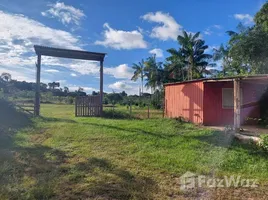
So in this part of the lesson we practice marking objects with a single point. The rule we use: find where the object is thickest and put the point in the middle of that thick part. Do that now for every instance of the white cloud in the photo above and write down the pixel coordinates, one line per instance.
(168, 28)
(85, 67)
(128, 86)
(18, 35)
(217, 26)
(119, 39)
(73, 88)
(61, 82)
(245, 18)
(121, 71)
(208, 32)
(212, 29)
(73, 74)
(211, 48)
(158, 52)
(120, 85)
(64, 13)
(52, 70)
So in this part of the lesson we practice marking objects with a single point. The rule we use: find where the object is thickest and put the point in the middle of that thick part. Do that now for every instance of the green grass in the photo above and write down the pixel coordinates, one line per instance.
(58, 156)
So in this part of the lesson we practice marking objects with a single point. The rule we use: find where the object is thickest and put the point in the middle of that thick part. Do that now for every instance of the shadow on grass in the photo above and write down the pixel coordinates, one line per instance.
(11, 119)
(107, 181)
(135, 130)
(29, 170)
(228, 141)
(53, 119)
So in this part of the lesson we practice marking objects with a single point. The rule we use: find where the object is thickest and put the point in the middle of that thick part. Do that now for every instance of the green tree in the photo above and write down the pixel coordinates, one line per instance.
(222, 54)
(175, 65)
(191, 55)
(6, 76)
(261, 18)
(138, 72)
(154, 73)
(66, 90)
(53, 85)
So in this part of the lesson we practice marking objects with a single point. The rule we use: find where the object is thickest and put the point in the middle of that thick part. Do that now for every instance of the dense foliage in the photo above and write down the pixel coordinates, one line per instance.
(247, 50)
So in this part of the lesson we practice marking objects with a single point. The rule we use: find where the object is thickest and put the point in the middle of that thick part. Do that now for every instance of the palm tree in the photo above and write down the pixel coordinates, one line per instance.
(53, 85)
(192, 49)
(222, 53)
(175, 65)
(66, 89)
(154, 73)
(138, 73)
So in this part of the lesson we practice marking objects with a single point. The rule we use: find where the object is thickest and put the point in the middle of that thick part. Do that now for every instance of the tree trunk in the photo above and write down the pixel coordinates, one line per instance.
(142, 85)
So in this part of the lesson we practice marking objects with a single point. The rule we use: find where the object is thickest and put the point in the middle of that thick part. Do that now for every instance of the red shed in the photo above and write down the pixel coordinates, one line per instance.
(217, 101)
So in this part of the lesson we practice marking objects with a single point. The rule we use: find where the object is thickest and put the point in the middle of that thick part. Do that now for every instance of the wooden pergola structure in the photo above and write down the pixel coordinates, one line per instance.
(65, 53)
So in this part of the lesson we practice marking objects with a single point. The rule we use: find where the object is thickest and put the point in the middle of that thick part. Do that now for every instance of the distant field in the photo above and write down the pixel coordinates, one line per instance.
(58, 156)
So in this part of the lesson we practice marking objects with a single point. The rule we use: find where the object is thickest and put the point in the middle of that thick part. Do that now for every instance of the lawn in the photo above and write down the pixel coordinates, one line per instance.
(58, 156)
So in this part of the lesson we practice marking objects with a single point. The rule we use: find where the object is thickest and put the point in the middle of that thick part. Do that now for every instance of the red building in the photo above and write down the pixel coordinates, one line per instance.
(216, 101)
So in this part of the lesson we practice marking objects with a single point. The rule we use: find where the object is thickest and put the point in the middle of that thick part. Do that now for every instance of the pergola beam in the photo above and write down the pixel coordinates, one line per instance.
(68, 53)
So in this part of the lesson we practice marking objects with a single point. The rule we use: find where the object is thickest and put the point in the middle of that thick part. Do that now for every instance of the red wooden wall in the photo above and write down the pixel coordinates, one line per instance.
(185, 100)
(214, 114)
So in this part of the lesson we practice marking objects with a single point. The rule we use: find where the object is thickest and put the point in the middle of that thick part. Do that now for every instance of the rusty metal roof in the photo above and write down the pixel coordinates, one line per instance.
(231, 78)
(68, 53)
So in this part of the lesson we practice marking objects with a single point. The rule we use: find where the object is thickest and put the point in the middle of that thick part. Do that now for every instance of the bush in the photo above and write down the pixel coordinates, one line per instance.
(69, 100)
(264, 142)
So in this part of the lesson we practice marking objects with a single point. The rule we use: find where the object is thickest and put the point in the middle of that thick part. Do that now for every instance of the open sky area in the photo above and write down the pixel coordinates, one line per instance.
(127, 31)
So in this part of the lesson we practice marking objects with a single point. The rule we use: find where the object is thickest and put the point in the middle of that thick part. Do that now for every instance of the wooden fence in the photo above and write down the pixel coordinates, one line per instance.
(87, 106)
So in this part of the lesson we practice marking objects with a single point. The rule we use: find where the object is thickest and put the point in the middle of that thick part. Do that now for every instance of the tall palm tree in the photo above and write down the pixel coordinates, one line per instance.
(138, 73)
(222, 53)
(53, 85)
(175, 65)
(192, 49)
(154, 73)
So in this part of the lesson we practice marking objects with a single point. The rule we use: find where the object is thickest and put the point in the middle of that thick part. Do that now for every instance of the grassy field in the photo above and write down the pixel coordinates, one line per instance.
(58, 156)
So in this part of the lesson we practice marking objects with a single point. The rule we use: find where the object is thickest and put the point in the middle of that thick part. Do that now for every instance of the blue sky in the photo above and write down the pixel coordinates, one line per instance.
(127, 31)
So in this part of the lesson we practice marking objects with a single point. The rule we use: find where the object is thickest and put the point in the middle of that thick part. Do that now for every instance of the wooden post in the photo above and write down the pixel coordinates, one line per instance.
(130, 110)
(237, 104)
(113, 110)
(101, 87)
(148, 111)
(76, 106)
(37, 89)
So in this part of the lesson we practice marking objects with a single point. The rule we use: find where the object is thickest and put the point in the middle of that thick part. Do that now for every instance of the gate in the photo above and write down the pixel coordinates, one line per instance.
(87, 106)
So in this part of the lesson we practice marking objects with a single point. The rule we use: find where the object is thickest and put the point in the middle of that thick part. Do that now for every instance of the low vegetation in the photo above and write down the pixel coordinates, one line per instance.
(58, 156)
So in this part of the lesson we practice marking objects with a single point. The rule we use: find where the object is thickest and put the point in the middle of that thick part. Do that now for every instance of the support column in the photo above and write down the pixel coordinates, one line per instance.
(237, 104)
(37, 89)
(101, 87)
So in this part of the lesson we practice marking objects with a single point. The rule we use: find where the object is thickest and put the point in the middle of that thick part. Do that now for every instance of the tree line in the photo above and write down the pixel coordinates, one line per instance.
(54, 93)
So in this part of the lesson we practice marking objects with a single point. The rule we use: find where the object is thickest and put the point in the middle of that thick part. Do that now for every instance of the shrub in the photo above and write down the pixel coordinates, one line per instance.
(264, 142)
(69, 100)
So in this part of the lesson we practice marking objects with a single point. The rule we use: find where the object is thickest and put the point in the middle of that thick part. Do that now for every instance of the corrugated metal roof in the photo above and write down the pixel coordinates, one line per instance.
(257, 76)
